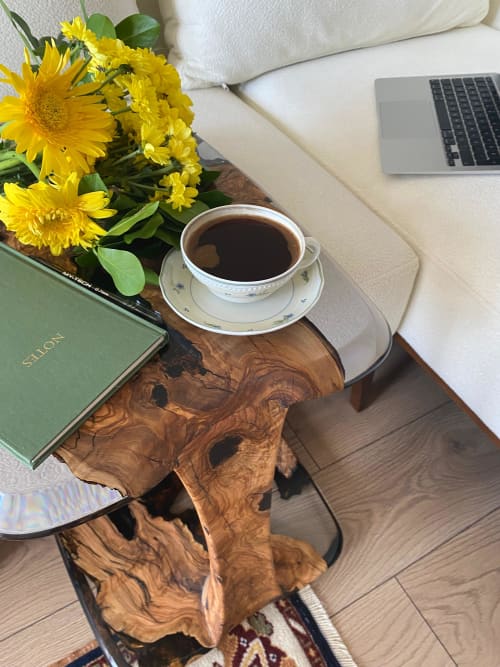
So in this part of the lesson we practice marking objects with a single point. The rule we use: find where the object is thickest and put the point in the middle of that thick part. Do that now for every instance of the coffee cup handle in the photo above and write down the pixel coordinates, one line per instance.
(311, 253)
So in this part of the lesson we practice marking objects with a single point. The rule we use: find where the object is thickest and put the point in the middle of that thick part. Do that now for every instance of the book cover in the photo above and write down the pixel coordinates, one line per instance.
(63, 351)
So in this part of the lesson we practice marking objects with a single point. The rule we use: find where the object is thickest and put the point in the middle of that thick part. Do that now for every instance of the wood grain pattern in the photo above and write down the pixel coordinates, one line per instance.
(405, 495)
(298, 448)
(52, 637)
(331, 428)
(211, 408)
(385, 628)
(47, 588)
(201, 379)
(457, 590)
(305, 517)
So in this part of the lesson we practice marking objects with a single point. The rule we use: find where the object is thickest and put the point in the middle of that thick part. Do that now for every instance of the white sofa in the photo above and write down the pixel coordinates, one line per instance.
(284, 88)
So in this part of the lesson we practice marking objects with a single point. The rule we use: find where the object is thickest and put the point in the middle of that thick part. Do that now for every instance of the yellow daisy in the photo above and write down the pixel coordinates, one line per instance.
(49, 215)
(55, 116)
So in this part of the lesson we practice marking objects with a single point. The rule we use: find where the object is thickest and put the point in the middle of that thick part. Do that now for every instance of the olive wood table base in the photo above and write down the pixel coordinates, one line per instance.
(297, 509)
(211, 408)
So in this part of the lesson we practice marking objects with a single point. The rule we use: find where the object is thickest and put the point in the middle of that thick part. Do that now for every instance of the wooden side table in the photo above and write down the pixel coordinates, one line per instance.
(210, 408)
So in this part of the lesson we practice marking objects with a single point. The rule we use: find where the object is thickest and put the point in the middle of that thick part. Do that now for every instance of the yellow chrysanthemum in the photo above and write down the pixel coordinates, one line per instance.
(191, 171)
(143, 98)
(78, 30)
(53, 216)
(55, 116)
(152, 139)
(181, 195)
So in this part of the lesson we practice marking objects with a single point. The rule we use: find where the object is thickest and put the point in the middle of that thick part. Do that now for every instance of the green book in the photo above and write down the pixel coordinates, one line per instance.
(63, 351)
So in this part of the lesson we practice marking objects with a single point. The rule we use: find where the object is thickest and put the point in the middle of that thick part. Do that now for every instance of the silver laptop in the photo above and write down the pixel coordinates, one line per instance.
(439, 124)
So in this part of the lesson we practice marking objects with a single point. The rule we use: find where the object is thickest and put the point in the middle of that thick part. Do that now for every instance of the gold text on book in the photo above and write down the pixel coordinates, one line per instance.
(44, 348)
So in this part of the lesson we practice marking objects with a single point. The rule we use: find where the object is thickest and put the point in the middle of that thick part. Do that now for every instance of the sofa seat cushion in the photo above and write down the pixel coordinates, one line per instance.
(327, 107)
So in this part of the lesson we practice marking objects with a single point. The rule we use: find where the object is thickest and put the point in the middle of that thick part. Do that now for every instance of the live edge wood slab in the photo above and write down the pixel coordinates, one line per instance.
(211, 409)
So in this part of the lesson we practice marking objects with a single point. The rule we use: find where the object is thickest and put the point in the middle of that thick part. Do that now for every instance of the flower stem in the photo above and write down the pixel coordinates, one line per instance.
(129, 156)
(8, 160)
(122, 69)
(148, 187)
(124, 110)
(84, 10)
(82, 68)
(31, 166)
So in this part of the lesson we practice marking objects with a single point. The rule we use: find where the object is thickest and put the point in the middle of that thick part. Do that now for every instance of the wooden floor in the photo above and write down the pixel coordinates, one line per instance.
(415, 486)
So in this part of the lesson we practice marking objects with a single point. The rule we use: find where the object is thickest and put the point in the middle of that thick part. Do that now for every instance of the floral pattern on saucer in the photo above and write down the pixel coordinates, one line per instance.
(196, 304)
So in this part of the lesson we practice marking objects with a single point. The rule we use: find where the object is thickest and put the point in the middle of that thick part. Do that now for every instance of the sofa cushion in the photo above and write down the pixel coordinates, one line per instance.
(493, 16)
(451, 221)
(223, 41)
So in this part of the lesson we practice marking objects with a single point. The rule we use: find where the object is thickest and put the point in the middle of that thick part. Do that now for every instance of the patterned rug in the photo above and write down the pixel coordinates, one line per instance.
(292, 632)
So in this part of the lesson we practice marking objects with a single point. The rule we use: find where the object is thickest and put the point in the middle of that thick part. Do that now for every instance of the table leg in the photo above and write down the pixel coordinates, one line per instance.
(162, 581)
(229, 480)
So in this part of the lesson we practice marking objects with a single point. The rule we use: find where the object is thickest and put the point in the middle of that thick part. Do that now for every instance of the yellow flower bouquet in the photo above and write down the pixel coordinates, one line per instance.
(97, 155)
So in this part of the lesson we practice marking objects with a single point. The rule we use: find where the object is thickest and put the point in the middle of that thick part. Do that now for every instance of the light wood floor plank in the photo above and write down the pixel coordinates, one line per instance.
(48, 640)
(304, 517)
(404, 495)
(33, 583)
(330, 428)
(457, 589)
(299, 450)
(385, 628)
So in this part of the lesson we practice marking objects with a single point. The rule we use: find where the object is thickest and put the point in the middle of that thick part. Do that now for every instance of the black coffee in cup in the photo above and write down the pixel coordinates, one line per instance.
(243, 248)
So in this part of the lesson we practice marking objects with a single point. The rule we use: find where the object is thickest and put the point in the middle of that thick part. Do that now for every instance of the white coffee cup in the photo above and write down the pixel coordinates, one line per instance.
(304, 251)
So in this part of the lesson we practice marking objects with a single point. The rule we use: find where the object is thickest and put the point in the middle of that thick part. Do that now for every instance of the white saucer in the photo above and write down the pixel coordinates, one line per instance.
(196, 304)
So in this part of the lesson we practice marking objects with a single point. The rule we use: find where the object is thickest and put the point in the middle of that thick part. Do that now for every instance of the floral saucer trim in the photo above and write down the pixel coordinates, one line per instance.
(196, 304)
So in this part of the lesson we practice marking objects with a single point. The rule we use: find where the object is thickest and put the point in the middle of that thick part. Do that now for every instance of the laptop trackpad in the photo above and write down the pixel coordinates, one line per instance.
(407, 119)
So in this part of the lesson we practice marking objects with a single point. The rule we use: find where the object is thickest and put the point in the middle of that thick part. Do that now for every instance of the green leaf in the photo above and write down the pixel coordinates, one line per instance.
(168, 237)
(214, 198)
(87, 260)
(208, 176)
(91, 183)
(22, 25)
(42, 42)
(129, 221)
(124, 203)
(186, 214)
(146, 231)
(138, 31)
(124, 268)
(173, 225)
(151, 277)
(101, 25)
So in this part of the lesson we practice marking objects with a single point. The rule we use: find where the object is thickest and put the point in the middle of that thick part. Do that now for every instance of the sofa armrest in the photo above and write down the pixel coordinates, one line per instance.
(493, 16)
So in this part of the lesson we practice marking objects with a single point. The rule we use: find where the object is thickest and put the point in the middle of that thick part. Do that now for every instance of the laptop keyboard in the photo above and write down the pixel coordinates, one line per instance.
(468, 111)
